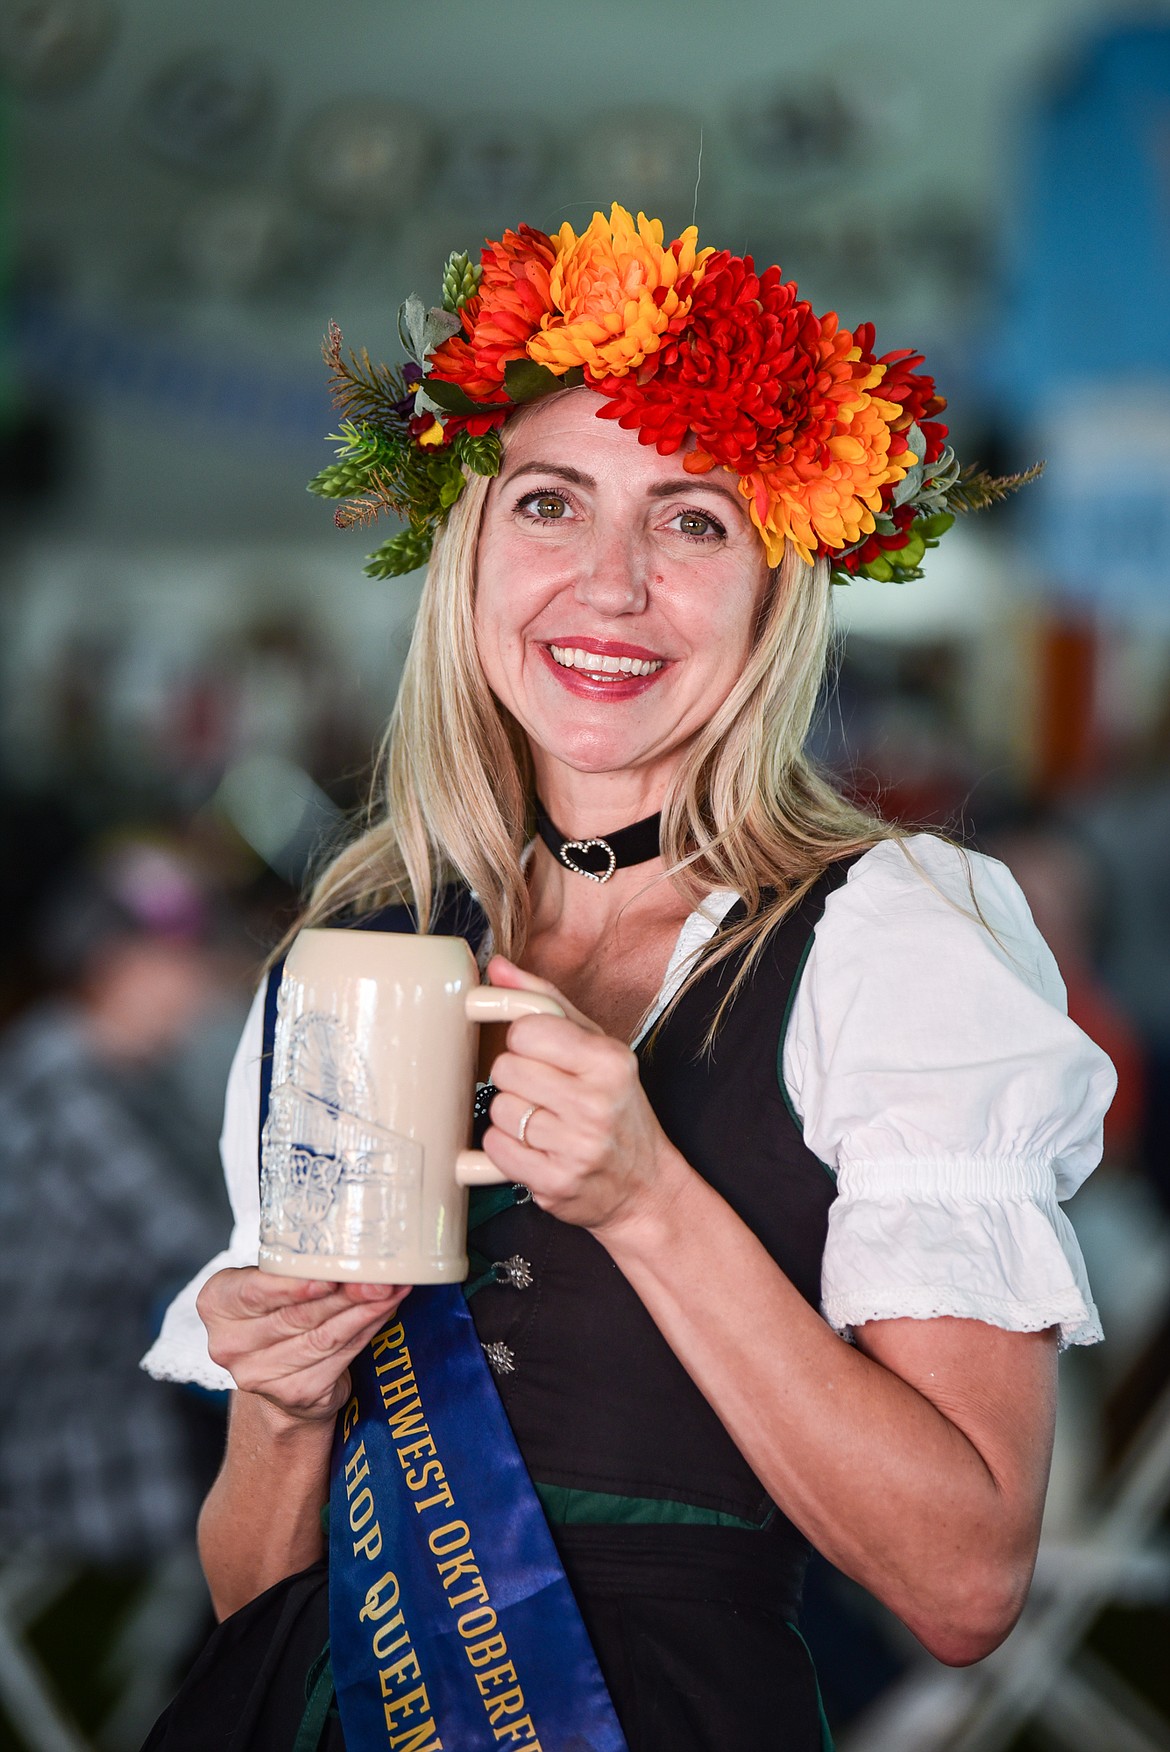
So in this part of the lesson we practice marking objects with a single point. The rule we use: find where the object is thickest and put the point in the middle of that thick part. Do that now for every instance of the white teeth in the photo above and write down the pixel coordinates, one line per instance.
(592, 662)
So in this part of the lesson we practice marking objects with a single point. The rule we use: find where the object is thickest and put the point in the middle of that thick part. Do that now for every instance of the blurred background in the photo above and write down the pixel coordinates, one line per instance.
(194, 672)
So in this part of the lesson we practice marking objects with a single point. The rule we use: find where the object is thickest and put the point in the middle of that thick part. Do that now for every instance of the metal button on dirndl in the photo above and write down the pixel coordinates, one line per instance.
(515, 1271)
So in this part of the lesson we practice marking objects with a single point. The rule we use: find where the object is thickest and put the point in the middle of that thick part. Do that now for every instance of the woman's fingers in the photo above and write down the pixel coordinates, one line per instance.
(289, 1339)
(502, 972)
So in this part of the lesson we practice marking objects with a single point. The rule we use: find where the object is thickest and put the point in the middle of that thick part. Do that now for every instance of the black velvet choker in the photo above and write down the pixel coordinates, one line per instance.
(598, 858)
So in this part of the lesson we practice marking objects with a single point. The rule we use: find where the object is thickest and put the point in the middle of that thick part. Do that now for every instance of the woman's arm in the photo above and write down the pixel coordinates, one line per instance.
(288, 1344)
(917, 1461)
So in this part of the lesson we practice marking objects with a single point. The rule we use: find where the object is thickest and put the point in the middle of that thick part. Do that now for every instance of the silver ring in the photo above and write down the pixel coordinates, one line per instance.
(522, 1134)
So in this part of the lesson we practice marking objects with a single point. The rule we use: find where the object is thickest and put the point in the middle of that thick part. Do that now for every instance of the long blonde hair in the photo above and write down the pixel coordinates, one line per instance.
(453, 789)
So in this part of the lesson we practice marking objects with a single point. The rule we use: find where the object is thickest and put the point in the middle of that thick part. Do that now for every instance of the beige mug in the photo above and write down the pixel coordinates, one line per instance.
(364, 1165)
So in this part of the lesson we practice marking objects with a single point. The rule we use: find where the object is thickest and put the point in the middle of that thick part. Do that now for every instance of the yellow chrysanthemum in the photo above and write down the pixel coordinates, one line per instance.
(616, 291)
(822, 492)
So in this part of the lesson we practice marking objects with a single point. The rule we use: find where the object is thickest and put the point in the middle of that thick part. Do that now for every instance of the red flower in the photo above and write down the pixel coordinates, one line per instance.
(737, 375)
(911, 389)
(875, 544)
(498, 322)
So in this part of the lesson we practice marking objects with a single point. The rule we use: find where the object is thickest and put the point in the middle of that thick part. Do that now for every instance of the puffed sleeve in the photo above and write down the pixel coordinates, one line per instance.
(935, 1070)
(179, 1353)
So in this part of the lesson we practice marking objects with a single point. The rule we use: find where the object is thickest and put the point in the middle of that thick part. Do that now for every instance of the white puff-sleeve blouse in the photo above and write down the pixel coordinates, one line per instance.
(935, 1072)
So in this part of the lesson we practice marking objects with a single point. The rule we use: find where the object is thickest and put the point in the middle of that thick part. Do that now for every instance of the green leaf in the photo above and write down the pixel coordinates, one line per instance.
(452, 399)
(421, 330)
(930, 528)
(450, 489)
(527, 381)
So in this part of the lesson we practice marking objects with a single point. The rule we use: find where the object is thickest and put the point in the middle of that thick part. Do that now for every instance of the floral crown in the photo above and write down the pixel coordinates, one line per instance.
(838, 451)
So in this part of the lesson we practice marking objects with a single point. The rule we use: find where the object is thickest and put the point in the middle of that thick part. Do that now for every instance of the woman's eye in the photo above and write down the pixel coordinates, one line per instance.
(547, 507)
(698, 524)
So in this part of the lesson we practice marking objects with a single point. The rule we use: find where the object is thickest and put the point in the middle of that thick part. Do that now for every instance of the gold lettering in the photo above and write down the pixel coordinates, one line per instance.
(477, 1592)
(399, 1673)
(369, 1545)
(495, 1677)
(492, 1648)
(378, 1643)
(508, 1703)
(375, 1607)
(361, 1509)
(349, 1419)
(522, 1731)
(390, 1338)
(463, 1564)
(410, 1703)
(415, 1450)
(469, 1625)
(357, 1467)
(393, 1391)
(453, 1536)
(442, 1495)
(416, 1739)
(432, 1469)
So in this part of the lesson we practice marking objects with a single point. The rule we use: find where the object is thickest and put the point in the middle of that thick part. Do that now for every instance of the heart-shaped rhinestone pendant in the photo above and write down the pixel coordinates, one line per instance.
(588, 846)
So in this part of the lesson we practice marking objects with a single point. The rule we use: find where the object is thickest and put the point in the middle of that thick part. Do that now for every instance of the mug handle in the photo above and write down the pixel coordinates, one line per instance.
(496, 1004)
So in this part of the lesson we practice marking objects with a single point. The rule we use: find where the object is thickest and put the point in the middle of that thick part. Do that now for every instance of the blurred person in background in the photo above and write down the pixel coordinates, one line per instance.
(104, 1208)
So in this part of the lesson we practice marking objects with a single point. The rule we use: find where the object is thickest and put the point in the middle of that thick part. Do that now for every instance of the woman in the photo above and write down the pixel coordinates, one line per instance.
(629, 616)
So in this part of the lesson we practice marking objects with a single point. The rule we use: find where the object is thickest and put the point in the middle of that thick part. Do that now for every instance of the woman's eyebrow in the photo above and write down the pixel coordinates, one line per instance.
(694, 484)
(561, 470)
(666, 489)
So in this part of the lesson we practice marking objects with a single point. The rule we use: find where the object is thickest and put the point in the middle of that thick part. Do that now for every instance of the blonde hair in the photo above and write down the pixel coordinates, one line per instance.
(453, 789)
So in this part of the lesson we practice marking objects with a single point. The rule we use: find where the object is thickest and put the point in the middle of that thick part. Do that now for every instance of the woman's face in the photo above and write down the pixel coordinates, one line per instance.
(616, 595)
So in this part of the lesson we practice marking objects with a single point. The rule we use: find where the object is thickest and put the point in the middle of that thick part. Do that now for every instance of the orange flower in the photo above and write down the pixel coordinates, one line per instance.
(821, 490)
(616, 291)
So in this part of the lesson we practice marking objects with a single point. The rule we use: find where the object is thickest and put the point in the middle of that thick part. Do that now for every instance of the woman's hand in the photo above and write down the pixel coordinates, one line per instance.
(593, 1152)
(291, 1341)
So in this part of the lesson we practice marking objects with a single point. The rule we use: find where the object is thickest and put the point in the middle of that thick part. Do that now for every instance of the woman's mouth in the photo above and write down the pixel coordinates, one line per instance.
(602, 667)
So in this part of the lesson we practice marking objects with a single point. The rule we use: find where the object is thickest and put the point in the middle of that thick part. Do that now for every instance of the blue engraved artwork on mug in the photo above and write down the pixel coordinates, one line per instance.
(335, 1181)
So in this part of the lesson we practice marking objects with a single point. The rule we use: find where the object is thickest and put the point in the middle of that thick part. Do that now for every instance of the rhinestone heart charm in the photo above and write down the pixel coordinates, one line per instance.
(587, 846)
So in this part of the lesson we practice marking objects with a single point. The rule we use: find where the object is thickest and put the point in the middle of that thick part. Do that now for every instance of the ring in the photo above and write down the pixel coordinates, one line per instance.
(522, 1134)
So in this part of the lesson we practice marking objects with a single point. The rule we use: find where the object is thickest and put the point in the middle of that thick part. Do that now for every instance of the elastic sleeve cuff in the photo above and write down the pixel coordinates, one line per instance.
(982, 1239)
(179, 1353)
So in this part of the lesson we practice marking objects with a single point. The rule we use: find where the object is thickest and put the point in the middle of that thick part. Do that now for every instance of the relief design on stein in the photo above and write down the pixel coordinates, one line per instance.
(335, 1181)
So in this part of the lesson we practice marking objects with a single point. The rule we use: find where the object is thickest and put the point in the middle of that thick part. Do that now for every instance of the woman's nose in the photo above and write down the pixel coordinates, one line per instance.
(613, 576)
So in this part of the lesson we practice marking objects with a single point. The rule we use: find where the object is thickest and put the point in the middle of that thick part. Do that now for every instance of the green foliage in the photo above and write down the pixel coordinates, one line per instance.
(461, 278)
(527, 381)
(480, 454)
(903, 565)
(363, 454)
(452, 399)
(404, 552)
(421, 330)
(361, 390)
(975, 489)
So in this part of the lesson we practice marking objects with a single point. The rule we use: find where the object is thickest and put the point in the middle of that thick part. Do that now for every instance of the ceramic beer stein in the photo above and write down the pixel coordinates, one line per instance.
(364, 1165)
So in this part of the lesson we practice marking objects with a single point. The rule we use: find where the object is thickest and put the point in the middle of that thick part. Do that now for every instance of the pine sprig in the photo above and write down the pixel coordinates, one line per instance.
(362, 390)
(975, 489)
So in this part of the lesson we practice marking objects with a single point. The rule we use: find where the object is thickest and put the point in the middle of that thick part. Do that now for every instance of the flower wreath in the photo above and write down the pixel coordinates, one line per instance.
(838, 451)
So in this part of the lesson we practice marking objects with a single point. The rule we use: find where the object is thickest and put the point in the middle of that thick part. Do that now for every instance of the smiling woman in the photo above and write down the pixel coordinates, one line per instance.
(779, 1258)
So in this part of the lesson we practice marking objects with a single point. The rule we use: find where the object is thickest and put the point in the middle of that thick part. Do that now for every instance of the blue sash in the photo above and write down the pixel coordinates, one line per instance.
(452, 1623)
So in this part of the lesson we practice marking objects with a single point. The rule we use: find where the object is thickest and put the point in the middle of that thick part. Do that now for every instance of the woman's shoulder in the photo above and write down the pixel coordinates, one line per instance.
(919, 893)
